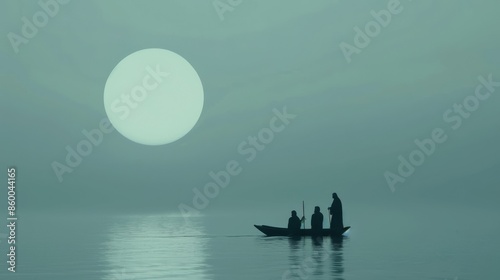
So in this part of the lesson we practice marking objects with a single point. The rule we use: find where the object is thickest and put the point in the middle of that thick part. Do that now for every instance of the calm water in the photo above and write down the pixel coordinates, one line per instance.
(57, 247)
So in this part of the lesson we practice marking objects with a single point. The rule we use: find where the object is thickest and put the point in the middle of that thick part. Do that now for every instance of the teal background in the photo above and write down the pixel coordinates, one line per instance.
(353, 119)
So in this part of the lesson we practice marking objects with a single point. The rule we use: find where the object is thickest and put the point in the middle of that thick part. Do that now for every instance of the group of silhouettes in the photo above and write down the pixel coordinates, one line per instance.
(336, 222)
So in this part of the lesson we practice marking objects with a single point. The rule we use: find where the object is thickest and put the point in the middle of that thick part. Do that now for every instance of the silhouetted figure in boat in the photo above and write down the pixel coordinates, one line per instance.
(317, 221)
(337, 223)
(294, 223)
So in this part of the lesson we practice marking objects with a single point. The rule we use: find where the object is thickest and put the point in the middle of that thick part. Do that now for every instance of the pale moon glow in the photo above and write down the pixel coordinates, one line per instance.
(153, 97)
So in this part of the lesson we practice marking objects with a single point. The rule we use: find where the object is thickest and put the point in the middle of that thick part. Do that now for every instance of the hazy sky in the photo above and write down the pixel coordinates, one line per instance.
(352, 120)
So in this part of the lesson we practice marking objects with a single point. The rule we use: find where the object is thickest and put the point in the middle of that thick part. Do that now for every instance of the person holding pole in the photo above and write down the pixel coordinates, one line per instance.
(294, 224)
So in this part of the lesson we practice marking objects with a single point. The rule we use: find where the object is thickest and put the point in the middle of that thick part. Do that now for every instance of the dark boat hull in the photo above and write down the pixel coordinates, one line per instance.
(276, 231)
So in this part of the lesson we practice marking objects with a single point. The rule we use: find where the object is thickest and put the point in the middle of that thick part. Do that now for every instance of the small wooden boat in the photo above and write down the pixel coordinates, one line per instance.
(276, 231)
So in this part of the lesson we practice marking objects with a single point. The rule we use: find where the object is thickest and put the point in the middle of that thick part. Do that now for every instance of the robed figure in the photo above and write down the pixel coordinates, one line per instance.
(336, 223)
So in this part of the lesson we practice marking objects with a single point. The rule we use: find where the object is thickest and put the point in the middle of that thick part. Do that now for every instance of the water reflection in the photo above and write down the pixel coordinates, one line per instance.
(319, 255)
(323, 258)
(317, 241)
(337, 257)
(296, 257)
(156, 247)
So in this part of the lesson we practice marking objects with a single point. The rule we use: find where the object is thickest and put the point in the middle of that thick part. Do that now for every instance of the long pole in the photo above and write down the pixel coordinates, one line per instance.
(303, 214)
(330, 215)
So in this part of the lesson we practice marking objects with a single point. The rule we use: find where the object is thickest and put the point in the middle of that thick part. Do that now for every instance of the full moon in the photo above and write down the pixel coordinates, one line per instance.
(153, 97)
